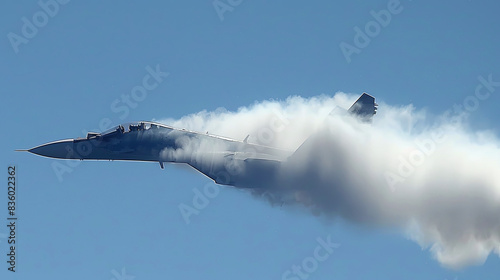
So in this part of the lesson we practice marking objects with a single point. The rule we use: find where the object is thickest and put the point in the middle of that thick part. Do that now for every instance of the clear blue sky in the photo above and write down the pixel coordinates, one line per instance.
(105, 216)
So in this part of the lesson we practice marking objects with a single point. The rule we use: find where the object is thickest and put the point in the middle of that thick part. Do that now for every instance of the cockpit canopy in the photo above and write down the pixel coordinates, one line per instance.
(125, 128)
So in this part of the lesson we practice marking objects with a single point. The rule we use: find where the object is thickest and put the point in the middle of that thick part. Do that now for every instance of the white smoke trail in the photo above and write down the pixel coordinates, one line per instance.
(428, 175)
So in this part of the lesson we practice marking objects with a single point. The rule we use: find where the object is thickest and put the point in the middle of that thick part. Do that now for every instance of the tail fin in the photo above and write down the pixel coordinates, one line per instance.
(365, 107)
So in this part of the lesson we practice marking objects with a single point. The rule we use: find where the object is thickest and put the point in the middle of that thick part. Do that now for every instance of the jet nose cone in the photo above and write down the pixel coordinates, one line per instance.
(58, 149)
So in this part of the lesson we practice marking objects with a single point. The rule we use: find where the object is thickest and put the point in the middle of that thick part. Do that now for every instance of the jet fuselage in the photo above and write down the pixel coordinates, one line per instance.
(226, 161)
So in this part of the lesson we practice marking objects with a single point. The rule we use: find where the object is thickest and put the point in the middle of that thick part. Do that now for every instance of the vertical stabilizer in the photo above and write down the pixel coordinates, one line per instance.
(365, 107)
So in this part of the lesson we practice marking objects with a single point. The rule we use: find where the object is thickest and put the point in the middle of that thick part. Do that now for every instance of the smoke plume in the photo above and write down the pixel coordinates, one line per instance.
(428, 175)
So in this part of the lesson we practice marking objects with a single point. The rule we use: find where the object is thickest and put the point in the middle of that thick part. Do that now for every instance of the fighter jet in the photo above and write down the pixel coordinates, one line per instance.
(226, 161)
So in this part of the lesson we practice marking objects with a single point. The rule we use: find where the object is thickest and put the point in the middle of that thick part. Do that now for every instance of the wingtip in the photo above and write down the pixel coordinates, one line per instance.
(21, 150)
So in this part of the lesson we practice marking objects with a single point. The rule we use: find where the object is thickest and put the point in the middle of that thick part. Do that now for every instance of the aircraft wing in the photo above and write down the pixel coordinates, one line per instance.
(237, 169)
